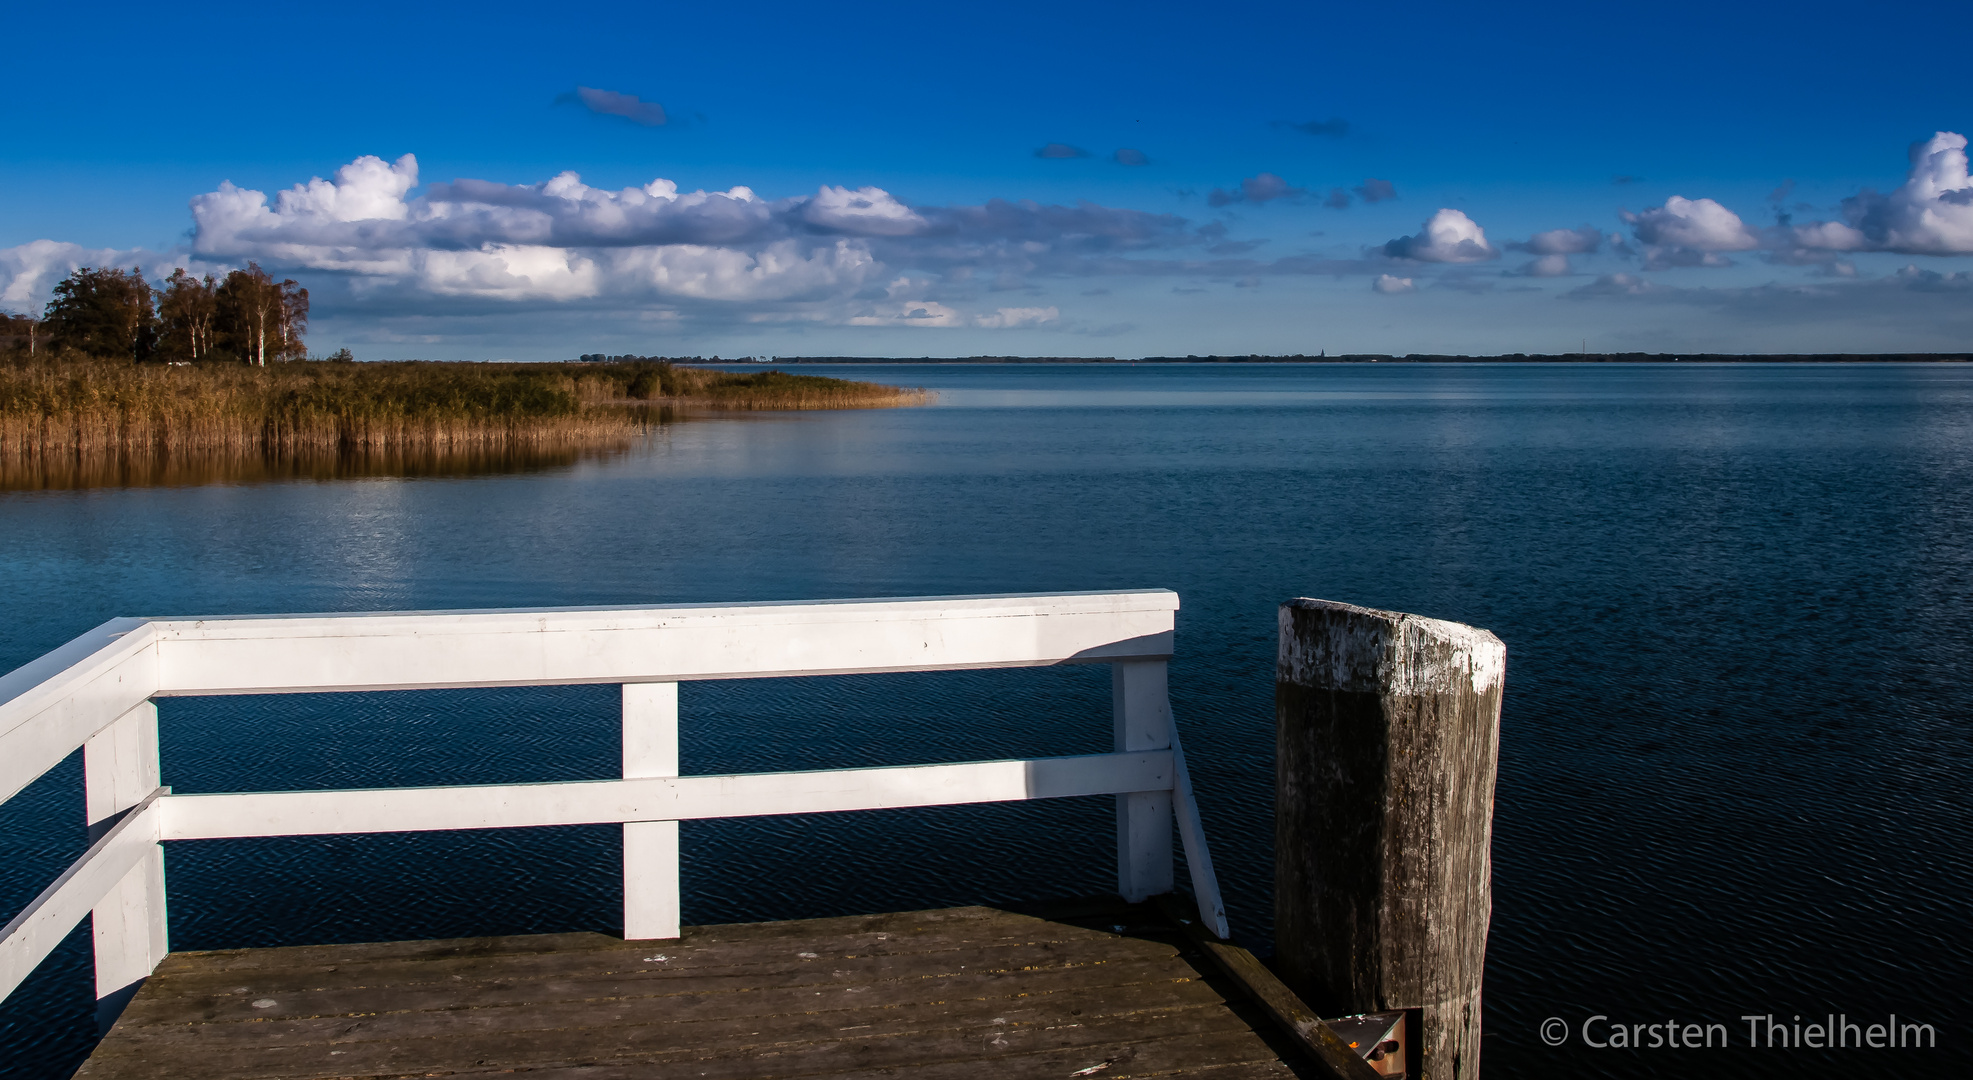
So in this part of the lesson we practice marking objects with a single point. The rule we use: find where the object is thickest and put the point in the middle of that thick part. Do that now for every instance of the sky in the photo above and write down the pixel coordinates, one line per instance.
(889, 179)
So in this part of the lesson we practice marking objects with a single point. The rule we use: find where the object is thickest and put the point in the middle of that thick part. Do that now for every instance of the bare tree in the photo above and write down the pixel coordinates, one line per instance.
(250, 308)
(186, 311)
(294, 319)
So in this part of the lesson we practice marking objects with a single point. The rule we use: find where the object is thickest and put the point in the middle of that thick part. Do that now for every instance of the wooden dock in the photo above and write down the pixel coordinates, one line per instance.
(1100, 989)
(1375, 710)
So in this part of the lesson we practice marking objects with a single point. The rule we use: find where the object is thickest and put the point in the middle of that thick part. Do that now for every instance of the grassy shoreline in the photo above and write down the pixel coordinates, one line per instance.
(61, 409)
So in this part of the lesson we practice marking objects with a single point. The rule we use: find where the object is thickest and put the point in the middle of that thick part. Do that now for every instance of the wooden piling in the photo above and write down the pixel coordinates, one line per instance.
(1387, 739)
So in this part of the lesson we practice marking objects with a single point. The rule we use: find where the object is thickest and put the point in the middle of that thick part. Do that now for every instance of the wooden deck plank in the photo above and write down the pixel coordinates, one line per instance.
(911, 993)
(1084, 990)
(739, 1006)
(687, 960)
(948, 920)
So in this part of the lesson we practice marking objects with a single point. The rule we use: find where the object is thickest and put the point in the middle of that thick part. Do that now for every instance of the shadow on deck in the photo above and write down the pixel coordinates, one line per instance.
(1098, 989)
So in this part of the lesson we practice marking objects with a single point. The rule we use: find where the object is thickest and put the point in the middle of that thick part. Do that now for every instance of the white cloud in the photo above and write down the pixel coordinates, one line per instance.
(562, 240)
(1695, 224)
(1620, 285)
(783, 270)
(1447, 237)
(1553, 248)
(930, 314)
(365, 189)
(28, 272)
(1829, 236)
(1931, 213)
(1385, 283)
(867, 211)
(1008, 318)
(507, 271)
(559, 240)
(32, 268)
(920, 313)
(1578, 241)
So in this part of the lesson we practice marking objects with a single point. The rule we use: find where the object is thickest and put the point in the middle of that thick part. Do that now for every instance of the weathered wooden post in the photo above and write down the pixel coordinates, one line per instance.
(1387, 732)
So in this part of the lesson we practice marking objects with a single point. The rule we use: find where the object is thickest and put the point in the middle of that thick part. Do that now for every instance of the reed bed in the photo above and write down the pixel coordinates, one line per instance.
(75, 411)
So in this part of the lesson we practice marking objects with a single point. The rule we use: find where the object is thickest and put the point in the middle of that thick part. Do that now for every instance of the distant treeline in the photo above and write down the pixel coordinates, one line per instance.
(1412, 358)
(114, 314)
(1571, 358)
(950, 360)
(632, 358)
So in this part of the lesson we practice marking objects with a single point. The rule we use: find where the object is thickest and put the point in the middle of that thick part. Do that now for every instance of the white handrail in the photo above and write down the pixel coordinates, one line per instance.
(49, 917)
(97, 690)
(675, 798)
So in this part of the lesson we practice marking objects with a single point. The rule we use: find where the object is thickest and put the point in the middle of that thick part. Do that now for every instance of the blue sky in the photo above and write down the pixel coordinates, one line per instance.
(896, 201)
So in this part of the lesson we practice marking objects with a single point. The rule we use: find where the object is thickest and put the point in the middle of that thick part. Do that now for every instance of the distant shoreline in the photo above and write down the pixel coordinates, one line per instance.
(1409, 358)
(60, 409)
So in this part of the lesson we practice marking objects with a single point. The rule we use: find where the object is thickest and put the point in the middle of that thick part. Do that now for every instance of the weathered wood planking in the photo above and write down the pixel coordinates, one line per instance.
(925, 994)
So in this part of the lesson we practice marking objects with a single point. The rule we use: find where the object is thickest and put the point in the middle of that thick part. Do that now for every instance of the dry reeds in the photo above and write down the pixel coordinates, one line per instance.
(73, 410)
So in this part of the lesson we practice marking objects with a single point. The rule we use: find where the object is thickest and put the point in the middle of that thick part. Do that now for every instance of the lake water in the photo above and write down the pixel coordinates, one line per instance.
(1737, 603)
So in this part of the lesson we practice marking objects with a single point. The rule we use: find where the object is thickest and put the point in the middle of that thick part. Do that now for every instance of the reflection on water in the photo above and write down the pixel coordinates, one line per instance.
(187, 468)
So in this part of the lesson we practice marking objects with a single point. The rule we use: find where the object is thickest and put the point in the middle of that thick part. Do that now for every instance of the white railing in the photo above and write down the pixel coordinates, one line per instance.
(98, 692)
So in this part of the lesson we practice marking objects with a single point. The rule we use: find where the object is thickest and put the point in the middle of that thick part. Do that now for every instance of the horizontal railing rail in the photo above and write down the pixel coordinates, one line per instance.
(97, 693)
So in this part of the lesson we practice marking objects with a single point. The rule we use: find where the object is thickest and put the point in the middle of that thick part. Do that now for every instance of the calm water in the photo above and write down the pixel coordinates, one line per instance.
(1737, 604)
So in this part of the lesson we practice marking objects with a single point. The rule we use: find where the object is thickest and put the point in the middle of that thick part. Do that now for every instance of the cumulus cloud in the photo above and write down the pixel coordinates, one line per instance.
(1581, 240)
(1920, 308)
(628, 106)
(1917, 280)
(1337, 199)
(867, 211)
(1127, 156)
(362, 222)
(1553, 249)
(28, 271)
(1262, 188)
(1931, 213)
(1554, 265)
(1386, 283)
(1374, 190)
(1698, 224)
(1689, 232)
(1059, 151)
(1447, 237)
(1009, 318)
(1616, 285)
(924, 314)
(376, 240)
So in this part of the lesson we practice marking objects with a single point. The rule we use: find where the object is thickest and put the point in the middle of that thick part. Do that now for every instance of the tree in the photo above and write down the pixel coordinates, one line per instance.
(259, 317)
(294, 320)
(187, 309)
(19, 330)
(105, 313)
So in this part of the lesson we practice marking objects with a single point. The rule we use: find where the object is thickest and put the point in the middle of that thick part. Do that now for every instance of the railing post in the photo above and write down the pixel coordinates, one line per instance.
(1142, 712)
(650, 848)
(1387, 737)
(120, 770)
